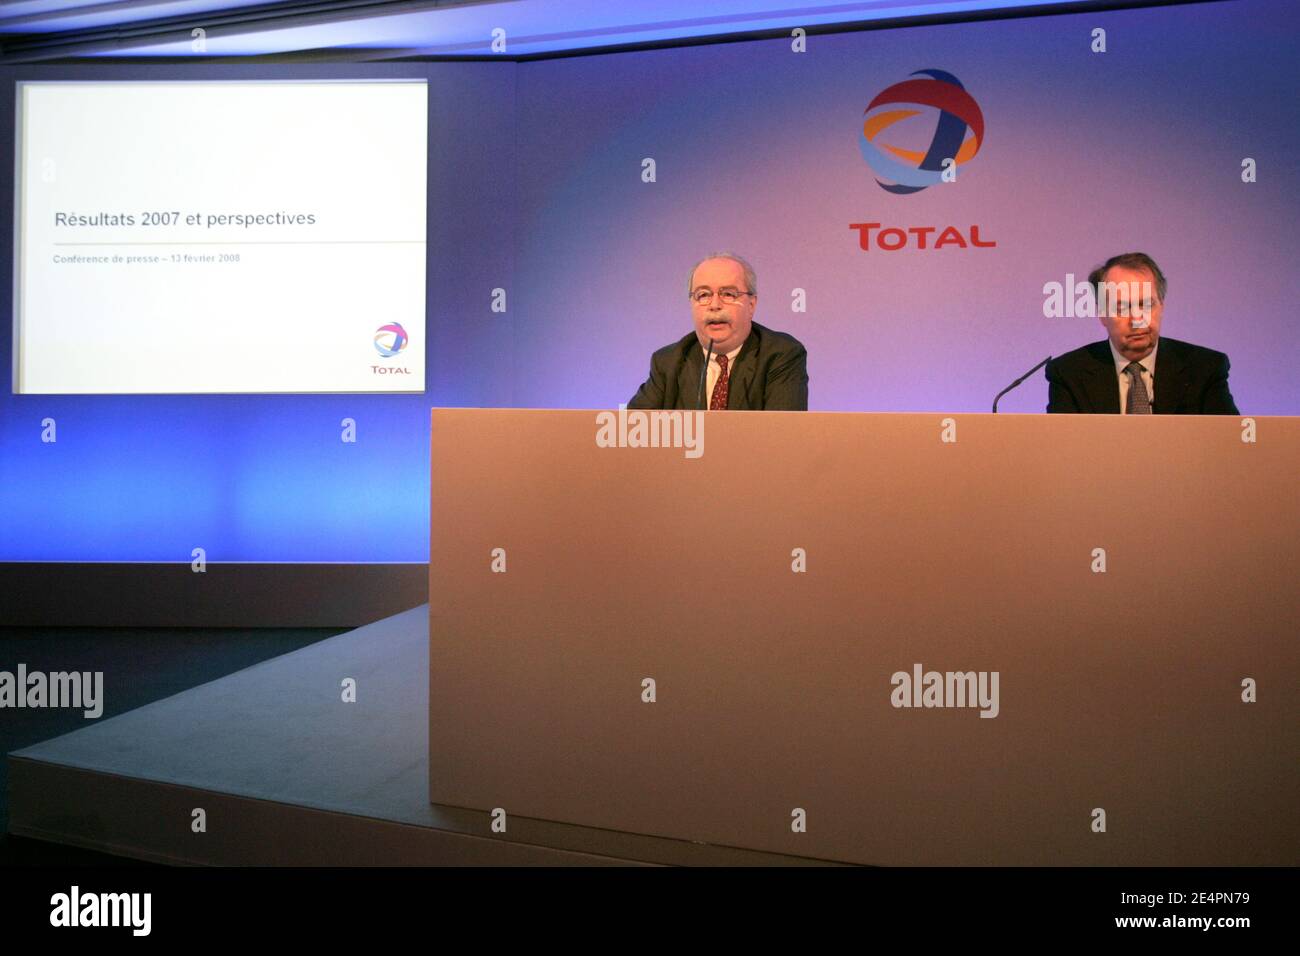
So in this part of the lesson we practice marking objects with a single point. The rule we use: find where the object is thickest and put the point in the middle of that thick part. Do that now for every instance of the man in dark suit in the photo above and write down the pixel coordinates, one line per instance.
(1119, 375)
(752, 367)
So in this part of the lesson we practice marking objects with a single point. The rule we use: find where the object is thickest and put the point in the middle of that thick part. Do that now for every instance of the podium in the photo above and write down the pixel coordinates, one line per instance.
(780, 631)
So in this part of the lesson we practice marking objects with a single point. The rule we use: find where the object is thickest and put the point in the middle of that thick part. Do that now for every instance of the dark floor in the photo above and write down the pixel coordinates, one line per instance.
(140, 665)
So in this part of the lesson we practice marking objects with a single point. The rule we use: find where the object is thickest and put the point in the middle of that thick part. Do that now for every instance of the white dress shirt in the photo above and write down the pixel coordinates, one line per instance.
(1148, 375)
(715, 370)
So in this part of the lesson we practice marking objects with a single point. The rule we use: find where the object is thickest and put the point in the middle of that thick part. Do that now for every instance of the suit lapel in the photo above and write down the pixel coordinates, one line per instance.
(1170, 379)
(688, 379)
(742, 376)
(1102, 385)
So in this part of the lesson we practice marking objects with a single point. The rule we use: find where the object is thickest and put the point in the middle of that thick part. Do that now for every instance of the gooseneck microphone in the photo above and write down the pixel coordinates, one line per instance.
(1018, 381)
(704, 376)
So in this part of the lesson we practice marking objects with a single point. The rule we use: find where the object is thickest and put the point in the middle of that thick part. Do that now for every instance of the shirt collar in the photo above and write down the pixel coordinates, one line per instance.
(731, 356)
(1121, 363)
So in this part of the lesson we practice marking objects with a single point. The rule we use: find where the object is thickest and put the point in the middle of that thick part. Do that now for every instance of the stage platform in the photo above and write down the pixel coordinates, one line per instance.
(288, 774)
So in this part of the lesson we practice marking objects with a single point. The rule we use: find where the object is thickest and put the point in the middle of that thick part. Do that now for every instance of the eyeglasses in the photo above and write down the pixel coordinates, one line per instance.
(728, 296)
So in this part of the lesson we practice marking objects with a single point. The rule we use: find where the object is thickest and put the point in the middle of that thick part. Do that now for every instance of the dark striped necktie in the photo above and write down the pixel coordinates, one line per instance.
(1139, 403)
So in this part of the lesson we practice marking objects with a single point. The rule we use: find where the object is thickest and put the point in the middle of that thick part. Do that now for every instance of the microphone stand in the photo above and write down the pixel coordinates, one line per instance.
(1018, 381)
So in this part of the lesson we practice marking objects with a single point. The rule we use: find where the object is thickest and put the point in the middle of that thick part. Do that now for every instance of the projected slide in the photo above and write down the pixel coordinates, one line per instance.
(220, 237)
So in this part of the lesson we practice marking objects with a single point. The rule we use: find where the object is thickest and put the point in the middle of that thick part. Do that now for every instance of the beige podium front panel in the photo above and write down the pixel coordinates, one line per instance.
(716, 642)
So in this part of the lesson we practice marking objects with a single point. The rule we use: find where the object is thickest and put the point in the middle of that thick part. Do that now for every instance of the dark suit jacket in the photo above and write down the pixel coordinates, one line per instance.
(1189, 380)
(770, 372)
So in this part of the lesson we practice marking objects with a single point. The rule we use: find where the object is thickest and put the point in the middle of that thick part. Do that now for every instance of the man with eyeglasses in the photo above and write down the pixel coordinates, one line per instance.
(751, 367)
(1119, 375)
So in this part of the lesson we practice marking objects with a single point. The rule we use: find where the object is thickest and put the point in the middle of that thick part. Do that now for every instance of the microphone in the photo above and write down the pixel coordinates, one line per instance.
(704, 376)
(1018, 381)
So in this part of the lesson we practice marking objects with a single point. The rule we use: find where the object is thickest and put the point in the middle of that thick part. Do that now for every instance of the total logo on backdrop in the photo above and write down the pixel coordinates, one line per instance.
(390, 340)
(936, 98)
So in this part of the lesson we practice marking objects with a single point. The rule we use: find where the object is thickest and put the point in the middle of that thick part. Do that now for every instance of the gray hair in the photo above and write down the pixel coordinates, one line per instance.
(751, 279)
(1132, 261)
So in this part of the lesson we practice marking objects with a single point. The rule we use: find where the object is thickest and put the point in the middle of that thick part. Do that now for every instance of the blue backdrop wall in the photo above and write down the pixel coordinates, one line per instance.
(537, 186)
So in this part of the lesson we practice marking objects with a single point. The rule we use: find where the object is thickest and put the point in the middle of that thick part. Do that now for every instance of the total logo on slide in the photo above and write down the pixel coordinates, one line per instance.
(938, 105)
(391, 340)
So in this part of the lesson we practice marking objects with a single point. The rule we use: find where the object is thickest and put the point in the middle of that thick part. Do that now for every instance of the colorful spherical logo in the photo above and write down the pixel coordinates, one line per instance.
(911, 170)
(390, 339)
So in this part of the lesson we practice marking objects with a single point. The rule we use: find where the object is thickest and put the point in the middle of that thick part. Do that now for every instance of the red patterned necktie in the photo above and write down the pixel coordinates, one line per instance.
(719, 399)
